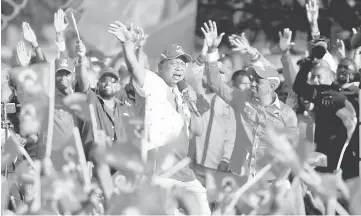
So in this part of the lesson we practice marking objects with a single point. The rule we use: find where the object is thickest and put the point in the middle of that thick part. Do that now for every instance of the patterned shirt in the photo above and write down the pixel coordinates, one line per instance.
(167, 118)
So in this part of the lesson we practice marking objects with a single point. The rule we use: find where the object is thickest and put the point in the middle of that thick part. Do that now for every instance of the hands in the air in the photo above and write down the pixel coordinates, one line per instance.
(23, 55)
(29, 34)
(285, 40)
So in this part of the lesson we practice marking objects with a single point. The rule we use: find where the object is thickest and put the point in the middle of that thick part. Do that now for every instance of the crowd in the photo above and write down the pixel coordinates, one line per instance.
(195, 137)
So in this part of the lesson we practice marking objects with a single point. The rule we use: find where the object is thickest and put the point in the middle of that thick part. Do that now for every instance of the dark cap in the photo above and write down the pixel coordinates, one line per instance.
(109, 71)
(64, 64)
(265, 72)
(174, 51)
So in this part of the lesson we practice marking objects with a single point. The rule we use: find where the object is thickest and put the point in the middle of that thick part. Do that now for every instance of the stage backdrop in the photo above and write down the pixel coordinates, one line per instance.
(166, 22)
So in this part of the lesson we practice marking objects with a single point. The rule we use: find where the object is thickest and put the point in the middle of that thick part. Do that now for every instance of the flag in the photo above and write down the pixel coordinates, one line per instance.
(33, 94)
(12, 148)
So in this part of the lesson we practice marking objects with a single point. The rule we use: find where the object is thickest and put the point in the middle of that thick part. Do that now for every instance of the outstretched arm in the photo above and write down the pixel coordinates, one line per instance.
(213, 40)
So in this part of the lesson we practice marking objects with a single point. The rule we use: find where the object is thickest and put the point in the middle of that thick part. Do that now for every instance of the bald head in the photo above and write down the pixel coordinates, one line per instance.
(321, 76)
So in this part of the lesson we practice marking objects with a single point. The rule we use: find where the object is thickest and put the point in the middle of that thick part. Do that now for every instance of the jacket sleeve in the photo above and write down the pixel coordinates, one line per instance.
(301, 87)
(230, 136)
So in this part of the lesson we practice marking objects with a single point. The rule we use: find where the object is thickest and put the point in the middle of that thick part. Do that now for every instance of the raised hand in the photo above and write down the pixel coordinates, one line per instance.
(29, 34)
(356, 38)
(80, 49)
(240, 43)
(340, 46)
(121, 32)
(211, 34)
(24, 56)
(60, 23)
(140, 36)
(285, 40)
(312, 11)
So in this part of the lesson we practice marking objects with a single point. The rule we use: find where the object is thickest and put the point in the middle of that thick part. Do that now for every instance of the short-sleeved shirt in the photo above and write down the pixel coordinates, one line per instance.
(167, 128)
(110, 121)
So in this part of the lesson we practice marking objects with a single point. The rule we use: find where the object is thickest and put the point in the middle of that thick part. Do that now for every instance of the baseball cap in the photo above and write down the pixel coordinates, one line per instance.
(110, 72)
(173, 51)
(64, 64)
(265, 72)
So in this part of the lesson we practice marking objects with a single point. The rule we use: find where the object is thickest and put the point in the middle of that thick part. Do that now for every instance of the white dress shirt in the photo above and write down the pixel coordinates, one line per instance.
(162, 120)
(222, 134)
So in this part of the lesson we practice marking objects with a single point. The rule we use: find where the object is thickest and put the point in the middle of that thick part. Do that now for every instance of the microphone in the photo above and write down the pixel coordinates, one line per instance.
(183, 88)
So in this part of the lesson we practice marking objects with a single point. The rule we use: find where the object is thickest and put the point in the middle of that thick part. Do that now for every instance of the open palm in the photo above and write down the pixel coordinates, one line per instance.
(285, 40)
(211, 35)
(120, 31)
(24, 56)
(312, 11)
(28, 33)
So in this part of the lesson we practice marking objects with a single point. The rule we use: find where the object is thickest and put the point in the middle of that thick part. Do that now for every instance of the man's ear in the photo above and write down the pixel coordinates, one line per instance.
(273, 86)
(117, 86)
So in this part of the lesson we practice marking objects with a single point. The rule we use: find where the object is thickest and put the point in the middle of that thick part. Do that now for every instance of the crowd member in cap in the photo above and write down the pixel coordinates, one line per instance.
(108, 109)
(256, 109)
(168, 118)
(64, 119)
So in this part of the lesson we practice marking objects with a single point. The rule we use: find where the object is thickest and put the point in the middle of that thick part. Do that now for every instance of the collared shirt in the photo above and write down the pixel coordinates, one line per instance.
(167, 128)
(108, 120)
(217, 142)
(252, 119)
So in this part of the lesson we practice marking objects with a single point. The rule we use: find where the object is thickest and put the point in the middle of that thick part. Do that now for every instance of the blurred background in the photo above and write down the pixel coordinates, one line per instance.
(176, 21)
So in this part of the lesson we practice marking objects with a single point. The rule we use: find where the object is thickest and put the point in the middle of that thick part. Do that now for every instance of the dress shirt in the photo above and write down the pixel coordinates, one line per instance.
(217, 144)
(167, 129)
(252, 120)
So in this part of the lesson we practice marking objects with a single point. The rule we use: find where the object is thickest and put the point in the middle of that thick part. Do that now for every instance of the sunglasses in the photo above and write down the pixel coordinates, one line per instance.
(108, 79)
(346, 67)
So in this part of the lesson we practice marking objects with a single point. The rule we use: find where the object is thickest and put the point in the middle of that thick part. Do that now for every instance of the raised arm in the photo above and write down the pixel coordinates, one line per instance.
(125, 36)
(80, 68)
(60, 26)
(30, 37)
(301, 87)
(312, 16)
(289, 70)
(213, 40)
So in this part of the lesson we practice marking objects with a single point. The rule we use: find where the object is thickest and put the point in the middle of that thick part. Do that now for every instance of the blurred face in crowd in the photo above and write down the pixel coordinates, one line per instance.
(321, 76)
(227, 62)
(63, 79)
(261, 87)
(108, 85)
(345, 71)
(172, 70)
(242, 82)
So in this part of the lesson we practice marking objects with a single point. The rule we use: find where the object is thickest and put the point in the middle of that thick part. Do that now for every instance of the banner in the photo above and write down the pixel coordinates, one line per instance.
(32, 85)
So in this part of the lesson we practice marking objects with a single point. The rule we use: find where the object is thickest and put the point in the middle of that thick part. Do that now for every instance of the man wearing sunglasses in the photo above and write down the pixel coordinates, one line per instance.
(109, 111)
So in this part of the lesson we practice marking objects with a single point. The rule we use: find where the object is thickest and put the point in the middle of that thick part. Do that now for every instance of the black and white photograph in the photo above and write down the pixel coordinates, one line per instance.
(180, 107)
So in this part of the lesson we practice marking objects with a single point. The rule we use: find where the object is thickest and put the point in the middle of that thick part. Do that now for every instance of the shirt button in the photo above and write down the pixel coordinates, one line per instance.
(113, 139)
(113, 127)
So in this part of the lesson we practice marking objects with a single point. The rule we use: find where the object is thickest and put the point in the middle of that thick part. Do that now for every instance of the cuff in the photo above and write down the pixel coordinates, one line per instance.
(225, 160)
(214, 56)
(61, 46)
